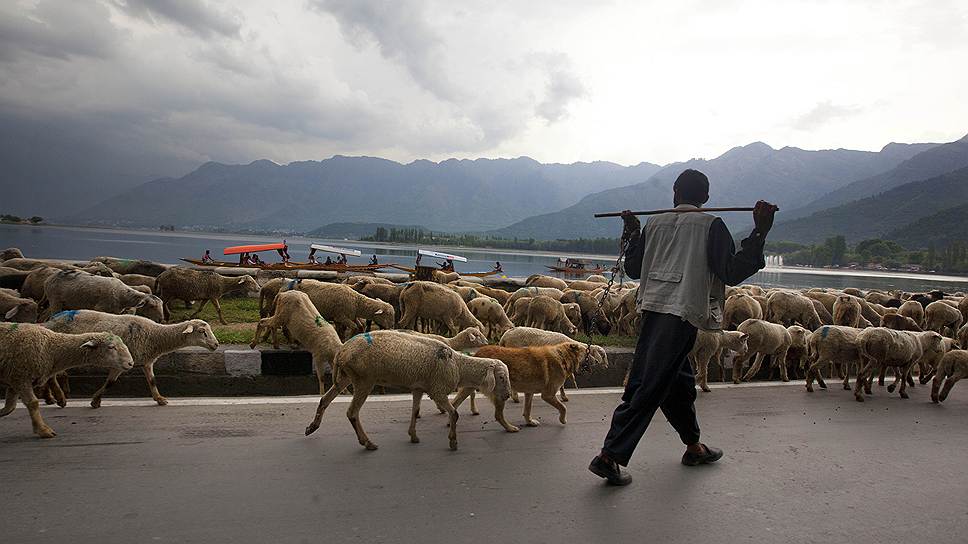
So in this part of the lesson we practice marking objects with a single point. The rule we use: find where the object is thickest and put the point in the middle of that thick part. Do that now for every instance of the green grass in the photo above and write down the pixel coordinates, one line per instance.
(235, 310)
(227, 335)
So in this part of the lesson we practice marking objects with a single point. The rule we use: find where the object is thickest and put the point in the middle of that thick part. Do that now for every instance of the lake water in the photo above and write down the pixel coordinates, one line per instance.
(79, 243)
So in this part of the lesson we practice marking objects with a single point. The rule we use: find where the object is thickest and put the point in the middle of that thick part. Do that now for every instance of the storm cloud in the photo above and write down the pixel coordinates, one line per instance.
(98, 96)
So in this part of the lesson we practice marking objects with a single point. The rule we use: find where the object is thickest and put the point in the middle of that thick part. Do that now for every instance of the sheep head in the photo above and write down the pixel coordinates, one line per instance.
(109, 351)
(199, 333)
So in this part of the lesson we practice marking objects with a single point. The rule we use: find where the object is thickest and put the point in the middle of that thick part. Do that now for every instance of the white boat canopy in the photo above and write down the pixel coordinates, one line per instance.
(439, 255)
(334, 249)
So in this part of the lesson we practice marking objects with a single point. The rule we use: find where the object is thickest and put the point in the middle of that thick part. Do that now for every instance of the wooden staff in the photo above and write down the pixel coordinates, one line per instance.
(676, 210)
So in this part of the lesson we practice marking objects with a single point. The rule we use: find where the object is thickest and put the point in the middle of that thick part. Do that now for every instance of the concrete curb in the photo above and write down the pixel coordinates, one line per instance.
(236, 370)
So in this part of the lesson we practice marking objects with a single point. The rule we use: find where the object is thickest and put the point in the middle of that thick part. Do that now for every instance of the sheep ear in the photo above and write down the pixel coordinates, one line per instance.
(12, 312)
(188, 330)
(378, 312)
(743, 336)
(241, 281)
(90, 344)
(142, 303)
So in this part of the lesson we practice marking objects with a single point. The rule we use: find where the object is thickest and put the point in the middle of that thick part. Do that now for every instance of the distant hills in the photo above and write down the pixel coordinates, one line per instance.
(882, 215)
(932, 161)
(912, 193)
(452, 195)
(938, 230)
(787, 176)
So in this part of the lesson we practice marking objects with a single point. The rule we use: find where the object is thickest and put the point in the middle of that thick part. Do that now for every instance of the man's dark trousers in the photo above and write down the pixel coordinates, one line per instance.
(661, 378)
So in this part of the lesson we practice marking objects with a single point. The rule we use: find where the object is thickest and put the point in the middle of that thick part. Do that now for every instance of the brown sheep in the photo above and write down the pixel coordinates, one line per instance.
(540, 280)
(786, 308)
(547, 313)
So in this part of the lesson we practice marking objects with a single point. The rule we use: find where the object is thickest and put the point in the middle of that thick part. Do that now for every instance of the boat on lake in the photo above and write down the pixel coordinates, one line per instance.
(247, 251)
(577, 267)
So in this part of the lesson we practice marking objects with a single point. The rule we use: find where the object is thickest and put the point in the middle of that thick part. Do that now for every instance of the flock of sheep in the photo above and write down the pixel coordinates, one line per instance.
(433, 337)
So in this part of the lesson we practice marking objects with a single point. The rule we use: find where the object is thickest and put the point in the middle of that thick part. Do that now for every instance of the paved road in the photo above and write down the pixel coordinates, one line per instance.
(798, 468)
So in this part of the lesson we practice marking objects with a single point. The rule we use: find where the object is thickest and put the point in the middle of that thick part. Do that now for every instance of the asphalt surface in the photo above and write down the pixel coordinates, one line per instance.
(798, 468)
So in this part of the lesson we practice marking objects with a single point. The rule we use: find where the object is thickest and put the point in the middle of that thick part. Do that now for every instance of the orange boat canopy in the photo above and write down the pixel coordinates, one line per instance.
(254, 248)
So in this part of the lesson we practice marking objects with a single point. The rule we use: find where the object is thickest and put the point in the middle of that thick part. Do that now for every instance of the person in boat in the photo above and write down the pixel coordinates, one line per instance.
(685, 261)
(328, 261)
(243, 258)
(284, 252)
(341, 259)
(497, 266)
(373, 260)
(418, 260)
(256, 260)
(312, 256)
(207, 258)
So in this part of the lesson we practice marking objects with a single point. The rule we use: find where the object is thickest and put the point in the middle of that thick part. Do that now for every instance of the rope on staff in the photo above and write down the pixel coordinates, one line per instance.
(616, 269)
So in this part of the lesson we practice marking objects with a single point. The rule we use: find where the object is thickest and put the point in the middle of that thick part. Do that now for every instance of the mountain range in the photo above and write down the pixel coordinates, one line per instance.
(823, 193)
(788, 177)
(452, 195)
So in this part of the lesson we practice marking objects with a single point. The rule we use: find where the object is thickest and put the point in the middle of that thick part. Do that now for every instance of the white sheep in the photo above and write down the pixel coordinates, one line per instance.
(764, 338)
(901, 350)
(179, 283)
(433, 302)
(31, 354)
(833, 345)
(953, 367)
(713, 345)
(547, 313)
(15, 308)
(491, 314)
(422, 365)
(942, 318)
(346, 309)
(76, 290)
(296, 312)
(146, 340)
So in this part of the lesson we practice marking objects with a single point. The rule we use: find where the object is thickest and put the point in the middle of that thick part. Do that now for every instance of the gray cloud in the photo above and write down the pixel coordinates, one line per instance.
(564, 87)
(196, 16)
(56, 29)
(823, 113)
(401, 32)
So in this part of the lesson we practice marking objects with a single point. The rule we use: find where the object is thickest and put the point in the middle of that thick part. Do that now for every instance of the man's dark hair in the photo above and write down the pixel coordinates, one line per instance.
(691, 186)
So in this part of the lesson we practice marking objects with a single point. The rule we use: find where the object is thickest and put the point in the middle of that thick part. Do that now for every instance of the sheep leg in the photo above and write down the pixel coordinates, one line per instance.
(414, 414)
(444, 404)
(819, 375)
(45, 393)
(462, 394)
(11, 402)
(527, 410)
(58, 393)
(809, 377)
(757, 363)
(360, 392)
(935, 386)
(342, 382)
(166, 309)
(562, 394)
(515, 397)
(859, 381)
(902, 377)
(499, 416)
(96, 398)
(737, 367)
(551, 399)
(199, 309)
(320, 365)
(845, 375)
(702, 370)
(781, 362)
(218, 309)
(149, 371)
(880, 377)
(474, 411)
(948, 384)
(41, 428)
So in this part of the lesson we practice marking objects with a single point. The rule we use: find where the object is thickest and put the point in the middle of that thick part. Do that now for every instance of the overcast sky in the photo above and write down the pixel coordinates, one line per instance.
(559, 81)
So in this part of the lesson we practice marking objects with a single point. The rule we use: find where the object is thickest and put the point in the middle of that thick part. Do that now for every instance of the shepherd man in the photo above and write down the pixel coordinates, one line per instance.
(684, 260)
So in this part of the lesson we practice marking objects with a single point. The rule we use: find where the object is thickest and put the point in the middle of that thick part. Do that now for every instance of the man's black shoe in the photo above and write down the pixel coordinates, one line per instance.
(710, 455)
(610, 471)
